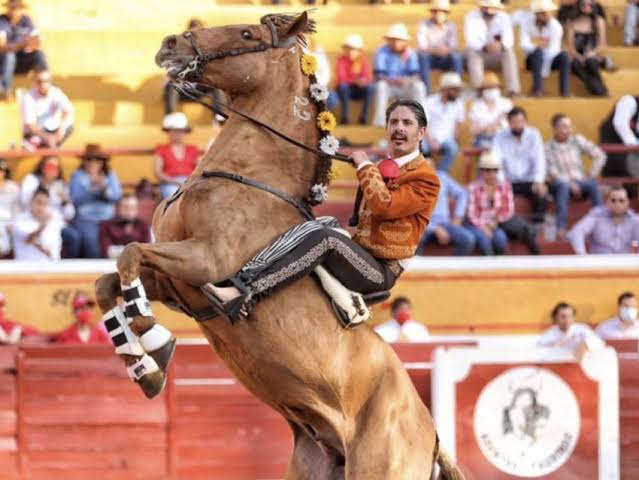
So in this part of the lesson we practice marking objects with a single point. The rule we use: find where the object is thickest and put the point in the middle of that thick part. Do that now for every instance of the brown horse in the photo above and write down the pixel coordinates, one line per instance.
(353, 409)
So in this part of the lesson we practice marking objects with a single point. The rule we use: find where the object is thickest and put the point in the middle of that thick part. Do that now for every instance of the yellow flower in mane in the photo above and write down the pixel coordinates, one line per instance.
(326, 121)
(308, 64)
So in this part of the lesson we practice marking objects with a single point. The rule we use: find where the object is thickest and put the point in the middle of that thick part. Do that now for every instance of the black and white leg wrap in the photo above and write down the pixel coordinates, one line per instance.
(142, 367)
(123, 338)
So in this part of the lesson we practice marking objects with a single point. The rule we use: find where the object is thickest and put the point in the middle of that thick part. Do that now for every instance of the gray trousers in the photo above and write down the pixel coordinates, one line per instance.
(478, 60)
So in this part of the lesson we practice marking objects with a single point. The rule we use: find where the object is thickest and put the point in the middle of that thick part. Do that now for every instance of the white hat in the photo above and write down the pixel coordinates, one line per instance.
(397, 31)
(450, 80)
(354, 41)
(443, 5)
(176, 121)
(538, 6)
(491, 4)
(488, 160)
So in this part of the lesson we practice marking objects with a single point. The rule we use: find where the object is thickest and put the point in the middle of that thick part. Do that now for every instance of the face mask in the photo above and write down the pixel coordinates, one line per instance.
(403, 316)
(517, 133)
(491, 94)
(628, 314)
(84, 317)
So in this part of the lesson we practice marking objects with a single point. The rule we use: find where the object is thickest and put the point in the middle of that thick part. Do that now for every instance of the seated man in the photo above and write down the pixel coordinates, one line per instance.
(19, 45)
(123, 229)
(12, 332)
(568, 334)
(630, 23)
(83, 331)
(621, 127)
(401, 327)
(400, 201)
(354, 78)
(396, 69)
(47, 114)
(625, 324)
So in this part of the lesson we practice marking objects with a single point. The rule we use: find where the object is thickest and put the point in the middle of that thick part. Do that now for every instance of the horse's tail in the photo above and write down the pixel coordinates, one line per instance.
(447, 468)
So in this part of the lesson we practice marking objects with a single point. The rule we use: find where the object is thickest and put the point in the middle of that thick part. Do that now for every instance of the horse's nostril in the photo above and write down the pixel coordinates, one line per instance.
(170, 42)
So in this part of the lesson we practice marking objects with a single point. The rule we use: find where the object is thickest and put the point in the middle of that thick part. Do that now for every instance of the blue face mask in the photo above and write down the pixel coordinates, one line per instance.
(628, 314)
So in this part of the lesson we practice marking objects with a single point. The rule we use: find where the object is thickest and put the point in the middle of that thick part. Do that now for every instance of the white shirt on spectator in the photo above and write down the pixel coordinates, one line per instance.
(625, 109)
(49, 239)
(46, 111)
(553, 31)
(616, 329)
(478, 33)
(9, 200)
(576, 334)
(411, 331)
(523, 158)
(58, 191)
(481, 115)
(443, 117)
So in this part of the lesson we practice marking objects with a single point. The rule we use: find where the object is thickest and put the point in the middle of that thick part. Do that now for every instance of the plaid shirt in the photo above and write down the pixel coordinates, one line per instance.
(482, 209)
(564, 158)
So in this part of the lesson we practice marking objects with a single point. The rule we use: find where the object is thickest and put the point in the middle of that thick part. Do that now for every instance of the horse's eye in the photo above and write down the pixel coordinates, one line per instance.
(246, 35)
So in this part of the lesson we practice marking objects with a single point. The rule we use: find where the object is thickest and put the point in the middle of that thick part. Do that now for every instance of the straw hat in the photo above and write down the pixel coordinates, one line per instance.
(397, 31)
(539, 6)
(15, 4)
(354, 41)
(491, 4)
(93, 151)
(450, 80)
(176, 121)
(491, 80)
(489, 161)
(440, 5)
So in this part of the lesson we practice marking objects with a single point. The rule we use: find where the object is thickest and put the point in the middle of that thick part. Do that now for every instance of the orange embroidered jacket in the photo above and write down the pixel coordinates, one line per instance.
(392, 220)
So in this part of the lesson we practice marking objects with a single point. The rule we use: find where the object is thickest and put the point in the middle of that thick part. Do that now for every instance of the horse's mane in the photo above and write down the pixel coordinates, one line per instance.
(284, 19)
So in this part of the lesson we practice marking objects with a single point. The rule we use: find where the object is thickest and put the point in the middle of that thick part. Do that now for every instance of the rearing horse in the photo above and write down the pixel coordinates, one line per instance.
(351, 406)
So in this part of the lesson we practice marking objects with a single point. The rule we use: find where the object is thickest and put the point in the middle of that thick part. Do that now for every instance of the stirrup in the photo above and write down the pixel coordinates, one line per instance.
(234, 309)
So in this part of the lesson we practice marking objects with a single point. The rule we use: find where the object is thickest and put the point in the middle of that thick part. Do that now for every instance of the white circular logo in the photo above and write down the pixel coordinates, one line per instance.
(527, 421)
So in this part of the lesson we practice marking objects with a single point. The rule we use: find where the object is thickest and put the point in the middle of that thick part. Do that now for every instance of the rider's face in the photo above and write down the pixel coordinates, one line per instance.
(403, 133)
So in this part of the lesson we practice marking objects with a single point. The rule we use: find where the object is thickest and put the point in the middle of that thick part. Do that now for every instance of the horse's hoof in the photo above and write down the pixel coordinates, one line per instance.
(164, 354)
(152, 384)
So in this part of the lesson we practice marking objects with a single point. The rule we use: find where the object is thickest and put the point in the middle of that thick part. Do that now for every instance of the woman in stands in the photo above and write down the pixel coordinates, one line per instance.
(94, 191)
(175, 160)
(9, 206)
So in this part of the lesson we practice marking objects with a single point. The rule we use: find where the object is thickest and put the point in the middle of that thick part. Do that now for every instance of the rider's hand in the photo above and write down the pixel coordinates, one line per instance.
(359, 157)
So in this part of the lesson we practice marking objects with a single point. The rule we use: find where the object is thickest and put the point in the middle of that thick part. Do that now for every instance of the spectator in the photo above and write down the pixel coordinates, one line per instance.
(568, 10)
(540, 39)
(437, 43)
(396, 69)
(123, 229)
(621, 127)
(488, 113)
(94, 190)
(446, 112)
(566, 169)
(175, 160)
(568, 334)
(443, 229)
(9, 206)
(490, 44)
(625, 324)
(47, 114)
(83, 331)
(354, 77)
(521, 151)
(491, 211)
(37, 233)
(12, 332)
(401, 327)
(630, 22)
(19, 45)
(610, 228)
(586, 41)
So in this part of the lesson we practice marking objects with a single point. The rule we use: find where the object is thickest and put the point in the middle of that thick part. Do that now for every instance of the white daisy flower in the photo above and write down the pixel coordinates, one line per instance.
(319, 92)
(319, 192)
(329, 144)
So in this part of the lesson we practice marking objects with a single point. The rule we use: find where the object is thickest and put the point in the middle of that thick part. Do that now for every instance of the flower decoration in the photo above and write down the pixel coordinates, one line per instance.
(319, 92)
(326, 121)
(308, 64)
(329, 144)
(319, 192)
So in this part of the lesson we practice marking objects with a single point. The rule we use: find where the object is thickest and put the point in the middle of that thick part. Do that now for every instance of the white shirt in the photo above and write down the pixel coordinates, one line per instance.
(481, 114)
(50, 239)
(523, 158)
(625, 109)
(553, 31)
(615, 329)
(478, 33)
(570, 340)
(9, 200)
(46, 112)
(443, 117)
(411, 331)
(57, 192)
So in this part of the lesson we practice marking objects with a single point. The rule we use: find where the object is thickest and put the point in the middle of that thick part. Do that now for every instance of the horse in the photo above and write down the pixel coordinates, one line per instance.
(352, 408)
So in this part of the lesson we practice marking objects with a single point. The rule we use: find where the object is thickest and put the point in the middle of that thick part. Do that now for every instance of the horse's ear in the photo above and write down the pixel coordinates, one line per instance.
(297, 27)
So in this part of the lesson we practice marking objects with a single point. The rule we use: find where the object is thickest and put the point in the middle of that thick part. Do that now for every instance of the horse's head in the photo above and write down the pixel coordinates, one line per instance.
(236, 58)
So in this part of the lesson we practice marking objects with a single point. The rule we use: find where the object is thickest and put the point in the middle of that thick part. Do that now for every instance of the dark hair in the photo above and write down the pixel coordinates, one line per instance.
(617, 187)
(40, 191)
(516, 111)
(38, 171)
(398, 302)
(4, 166)
(624, 296)
(415, 107)
(558, 117)
(560, 306)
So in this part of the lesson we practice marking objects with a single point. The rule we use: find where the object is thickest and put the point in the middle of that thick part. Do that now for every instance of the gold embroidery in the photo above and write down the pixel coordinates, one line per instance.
(399, 232)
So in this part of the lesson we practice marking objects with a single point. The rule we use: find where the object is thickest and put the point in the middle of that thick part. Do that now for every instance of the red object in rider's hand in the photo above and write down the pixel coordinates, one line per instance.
(389, 170)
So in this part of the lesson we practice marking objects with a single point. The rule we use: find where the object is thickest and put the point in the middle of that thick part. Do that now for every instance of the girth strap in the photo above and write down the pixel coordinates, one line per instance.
(302, 207)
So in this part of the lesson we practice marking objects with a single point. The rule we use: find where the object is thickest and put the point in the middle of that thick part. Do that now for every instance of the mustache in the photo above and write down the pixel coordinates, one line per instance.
(398, 136)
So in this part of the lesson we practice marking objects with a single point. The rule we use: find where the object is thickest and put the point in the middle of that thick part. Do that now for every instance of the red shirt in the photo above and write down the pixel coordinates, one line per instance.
(177, 167)
(349, 71)
(70, 336)
(8, 326)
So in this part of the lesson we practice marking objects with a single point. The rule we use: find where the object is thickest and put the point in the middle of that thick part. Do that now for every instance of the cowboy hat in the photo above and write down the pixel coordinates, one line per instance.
(93, 151)
(354, 41)
(440, 5)
(176, 121)
(539, 6)
(491, 4)
(489, 161)
(15, 4)
(397, 31)
(450, 80)
(491, 80)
